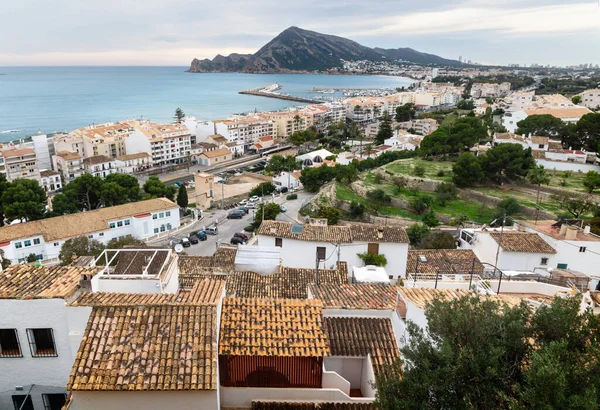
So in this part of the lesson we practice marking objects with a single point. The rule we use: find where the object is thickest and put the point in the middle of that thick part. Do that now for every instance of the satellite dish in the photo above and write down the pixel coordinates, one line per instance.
(178, 248)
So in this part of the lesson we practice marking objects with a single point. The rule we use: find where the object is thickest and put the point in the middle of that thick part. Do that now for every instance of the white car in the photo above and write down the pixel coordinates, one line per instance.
(254, 198)
(243, 202)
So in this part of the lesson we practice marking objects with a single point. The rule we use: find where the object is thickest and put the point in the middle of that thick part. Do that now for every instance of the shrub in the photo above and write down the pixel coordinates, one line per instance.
(416, 232)
(378, 179)
(441, 173)
(420, 204)
(379, 195)
(332, 214)
(445, 192)
(439, 240)
(373, 259)
(249, 228)
(430, 219)
(291, 196)
(418, 170)
(264, 188)
(357, 210)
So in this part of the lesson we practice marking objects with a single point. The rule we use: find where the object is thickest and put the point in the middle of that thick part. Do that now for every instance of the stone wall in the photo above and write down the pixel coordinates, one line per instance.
(492, 202)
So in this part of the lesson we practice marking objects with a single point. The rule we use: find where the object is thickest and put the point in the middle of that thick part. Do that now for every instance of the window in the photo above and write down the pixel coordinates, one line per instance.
(540, 146)
(22, 402)
(91, 236)
(112, 225)
(9, 343)
(373, 248)
(321, 252)
(41, 342)
(120, 224)
(161, 215)
(562, 266)
(279, 242)
(56, 244)
(27, 243)
(18, 245)
(168, 213)
(101, 234)
(154, 216)
(582, 249)
(544, 261)
(162, 228)
(155, 230)
(127, 222)
(54, 401)
(36, 241)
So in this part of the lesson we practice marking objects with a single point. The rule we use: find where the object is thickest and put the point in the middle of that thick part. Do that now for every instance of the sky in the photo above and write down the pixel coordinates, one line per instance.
(173, 32)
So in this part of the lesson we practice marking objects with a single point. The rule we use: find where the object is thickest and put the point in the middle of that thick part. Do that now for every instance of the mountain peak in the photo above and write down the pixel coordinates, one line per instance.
(299, 50)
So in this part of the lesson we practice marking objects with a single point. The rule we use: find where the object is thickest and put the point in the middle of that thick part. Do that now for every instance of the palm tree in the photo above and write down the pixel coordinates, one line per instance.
(369, 149)
(538, 176)
(376, 111)
(297, 121)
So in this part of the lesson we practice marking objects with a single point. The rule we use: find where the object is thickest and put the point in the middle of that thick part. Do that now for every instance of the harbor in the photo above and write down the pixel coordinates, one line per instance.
(271, 91)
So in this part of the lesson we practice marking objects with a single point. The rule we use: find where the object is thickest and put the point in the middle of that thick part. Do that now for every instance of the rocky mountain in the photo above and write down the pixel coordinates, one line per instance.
(297, 50)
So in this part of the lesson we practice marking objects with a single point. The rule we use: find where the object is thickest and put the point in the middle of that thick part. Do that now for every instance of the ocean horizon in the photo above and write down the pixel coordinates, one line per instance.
(62, 98)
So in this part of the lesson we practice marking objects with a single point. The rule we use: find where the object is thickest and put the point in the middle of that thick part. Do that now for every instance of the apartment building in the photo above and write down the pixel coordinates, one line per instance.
(69, 165)
(166, 143)
(20, 163)
(568, 115)
(68, 143)
(44, 238)
(100, 165)
(590, 98)
(245, 130)
(482, 90)
(105, 139)
(323, 115)
(286, 123)
(50, 180)
(422, 127)
(132, 163)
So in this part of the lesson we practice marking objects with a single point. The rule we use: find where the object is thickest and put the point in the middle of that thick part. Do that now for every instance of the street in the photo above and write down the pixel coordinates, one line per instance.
(228, 227)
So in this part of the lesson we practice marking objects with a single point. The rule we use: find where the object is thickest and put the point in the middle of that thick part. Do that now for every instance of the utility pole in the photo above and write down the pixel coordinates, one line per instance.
(339, 246)
(498, 250)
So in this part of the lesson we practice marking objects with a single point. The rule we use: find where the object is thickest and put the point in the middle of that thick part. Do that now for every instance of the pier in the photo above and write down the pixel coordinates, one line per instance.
(270, 91)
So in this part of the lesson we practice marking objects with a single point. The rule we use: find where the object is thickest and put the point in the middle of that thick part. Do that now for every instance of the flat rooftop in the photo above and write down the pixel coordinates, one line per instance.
(546, 227)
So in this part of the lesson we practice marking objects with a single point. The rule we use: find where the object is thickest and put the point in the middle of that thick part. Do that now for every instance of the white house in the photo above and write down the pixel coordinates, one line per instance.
(290, 180)
(50, 180)
(131, 163)
(568, 115)
(100, 165)
(590, 98)
(44, 238)
(302, 245)
(519, 251)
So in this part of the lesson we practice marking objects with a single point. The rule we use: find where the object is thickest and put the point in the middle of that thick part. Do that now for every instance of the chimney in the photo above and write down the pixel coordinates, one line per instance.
(380, 232)
(571, 233)
(586, 230)
(85, 282)
(563, 229)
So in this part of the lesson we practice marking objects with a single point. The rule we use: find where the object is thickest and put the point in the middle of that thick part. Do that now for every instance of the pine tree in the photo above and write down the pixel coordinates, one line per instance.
(182, 197)
(385, 129)
(179, 115)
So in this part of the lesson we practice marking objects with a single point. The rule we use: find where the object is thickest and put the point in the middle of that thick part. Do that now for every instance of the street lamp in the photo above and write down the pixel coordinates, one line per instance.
(420, 258)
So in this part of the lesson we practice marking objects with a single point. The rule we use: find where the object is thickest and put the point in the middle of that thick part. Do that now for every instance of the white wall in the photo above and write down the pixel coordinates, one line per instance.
(146, 400)
(242, 397)
(26, 370)
(137, 142)
(367, 378)
(567, 166)
(77, 318)
(350, 368)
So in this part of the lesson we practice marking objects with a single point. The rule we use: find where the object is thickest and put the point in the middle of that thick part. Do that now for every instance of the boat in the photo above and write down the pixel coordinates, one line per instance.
(9, 131)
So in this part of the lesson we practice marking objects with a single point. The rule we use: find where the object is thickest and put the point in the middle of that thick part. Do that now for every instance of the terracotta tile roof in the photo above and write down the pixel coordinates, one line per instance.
(272, 327)
(522, 242)
(355, 296)
(224, 258)
(537, 154)
(147, 349)
(17, 152)
(555, 146)
(539, 140)
(81, 223)
(376, 233)
(216, 153)
(68, 155)
(41, 282)
(133, 156)
(574, 112)
(508, 136)
(344, 233)
(204, 292)
(338, 405)
(355, 336)
(97, 159)
(444, 261)
(48, 173)
(421, 297)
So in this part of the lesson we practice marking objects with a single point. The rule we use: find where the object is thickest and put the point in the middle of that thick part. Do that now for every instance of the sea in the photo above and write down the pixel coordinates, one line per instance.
(60, 99)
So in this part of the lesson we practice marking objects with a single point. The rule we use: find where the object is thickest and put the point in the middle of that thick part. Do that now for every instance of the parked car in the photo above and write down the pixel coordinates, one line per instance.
(250, 205)
(254, 198)
(194, 239)
(243, 202)
(211, 230)
(244, 210)
(236, 241)
(241, 235)
(201, 235)
(235, 214)
(282, 189)
(186, 243)
(282, 208)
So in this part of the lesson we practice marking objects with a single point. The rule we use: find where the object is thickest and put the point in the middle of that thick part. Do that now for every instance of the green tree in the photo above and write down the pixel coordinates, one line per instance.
(467, 171)
(182, 197)
(576, 99)
(436, 143)
(405, 112)
(264, 188)
(373, 259)
(3, 186)
(399, 182)
(465, 105)
(85, 192)
(127, 182)
(439, 240)
(80, 246)
(538, 176)
(348, 174)
(542, 125)
(279, 163)
(62, 205)
(385, 129)
(332, 214)
(126, 242)
(588, 130)
(379, 195)
(416, 233)
(357, 210)
(112, 194)
(591, 181)
(430, 219)
(574, 204)
(155, 188)
(421, 204)
(507, 207)
(418, 170)
(445, 192)
(32, 257)
(23, 199)
(179, 115)
(297, 138)
(466, 132)
(271, 210)
(507, 162)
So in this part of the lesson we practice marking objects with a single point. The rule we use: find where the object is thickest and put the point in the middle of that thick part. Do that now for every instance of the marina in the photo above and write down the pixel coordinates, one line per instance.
(270, 91)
